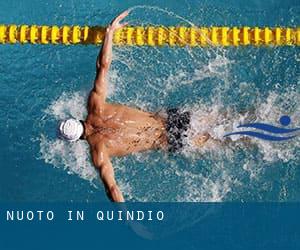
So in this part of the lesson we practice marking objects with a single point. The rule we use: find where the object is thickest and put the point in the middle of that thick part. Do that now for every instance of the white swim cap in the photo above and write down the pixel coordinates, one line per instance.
(70, 130)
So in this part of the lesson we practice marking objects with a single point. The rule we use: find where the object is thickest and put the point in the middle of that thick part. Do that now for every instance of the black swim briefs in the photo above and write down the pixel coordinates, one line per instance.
(177, 124)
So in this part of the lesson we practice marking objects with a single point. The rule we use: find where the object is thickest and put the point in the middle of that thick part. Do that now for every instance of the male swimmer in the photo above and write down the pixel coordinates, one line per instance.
(117, 130)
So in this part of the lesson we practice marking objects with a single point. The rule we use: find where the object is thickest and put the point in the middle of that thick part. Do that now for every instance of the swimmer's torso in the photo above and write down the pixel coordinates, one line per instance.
(124, 130)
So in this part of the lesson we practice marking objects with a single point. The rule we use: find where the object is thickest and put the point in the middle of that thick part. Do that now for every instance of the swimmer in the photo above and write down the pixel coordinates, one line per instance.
(114, 130)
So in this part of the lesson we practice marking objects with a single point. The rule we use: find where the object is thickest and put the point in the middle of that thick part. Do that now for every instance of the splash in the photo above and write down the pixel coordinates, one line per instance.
(217, 86)
(74, 158)
(192, 184)
(217, 120)
(68, 105)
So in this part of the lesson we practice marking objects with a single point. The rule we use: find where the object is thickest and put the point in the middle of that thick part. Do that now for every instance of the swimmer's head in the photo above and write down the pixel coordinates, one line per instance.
(70, 130)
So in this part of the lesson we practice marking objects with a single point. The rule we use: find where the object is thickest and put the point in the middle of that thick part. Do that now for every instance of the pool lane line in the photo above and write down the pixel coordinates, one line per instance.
(152, 35)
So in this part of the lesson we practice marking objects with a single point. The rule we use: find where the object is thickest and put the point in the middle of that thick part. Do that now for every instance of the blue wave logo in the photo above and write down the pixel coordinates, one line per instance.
(279, 133)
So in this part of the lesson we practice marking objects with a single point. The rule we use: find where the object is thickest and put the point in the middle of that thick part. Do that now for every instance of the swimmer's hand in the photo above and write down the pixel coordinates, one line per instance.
(115, 24)
(105, 57)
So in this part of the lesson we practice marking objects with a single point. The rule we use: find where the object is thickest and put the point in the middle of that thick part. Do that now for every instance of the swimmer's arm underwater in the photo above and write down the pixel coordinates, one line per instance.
(103, 164)
(105, 56)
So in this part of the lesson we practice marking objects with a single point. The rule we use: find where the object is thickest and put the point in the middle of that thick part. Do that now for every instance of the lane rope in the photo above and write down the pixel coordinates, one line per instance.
(152, 35)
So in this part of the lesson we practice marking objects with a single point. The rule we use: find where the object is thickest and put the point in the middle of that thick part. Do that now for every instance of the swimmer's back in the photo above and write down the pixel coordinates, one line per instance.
(126, 130)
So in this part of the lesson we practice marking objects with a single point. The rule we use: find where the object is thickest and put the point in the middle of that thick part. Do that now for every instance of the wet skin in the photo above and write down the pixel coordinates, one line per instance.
(118, 130)
(112, 129)
(123, 130)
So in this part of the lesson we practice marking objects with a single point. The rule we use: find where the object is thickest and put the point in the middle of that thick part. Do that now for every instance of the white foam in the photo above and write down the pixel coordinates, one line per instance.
(174, 182)
(216, 121)
(214, 118)
(72, 157)
(213, 188)
(271, 110)
(68, 105)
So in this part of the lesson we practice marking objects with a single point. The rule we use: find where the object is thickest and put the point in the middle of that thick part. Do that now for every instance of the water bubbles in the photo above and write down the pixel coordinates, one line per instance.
(221, 88)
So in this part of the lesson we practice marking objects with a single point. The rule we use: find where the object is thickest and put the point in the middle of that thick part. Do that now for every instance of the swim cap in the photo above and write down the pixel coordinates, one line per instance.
(70, 130)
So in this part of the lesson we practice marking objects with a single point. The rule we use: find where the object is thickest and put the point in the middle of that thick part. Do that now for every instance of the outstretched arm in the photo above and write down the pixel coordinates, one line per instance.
(105, 56)
(103, 164)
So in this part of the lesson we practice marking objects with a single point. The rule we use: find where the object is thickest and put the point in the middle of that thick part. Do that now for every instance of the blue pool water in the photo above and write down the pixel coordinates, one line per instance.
(42, 84)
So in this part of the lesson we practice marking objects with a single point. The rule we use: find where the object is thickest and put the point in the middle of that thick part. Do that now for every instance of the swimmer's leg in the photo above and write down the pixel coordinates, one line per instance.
(200, 140)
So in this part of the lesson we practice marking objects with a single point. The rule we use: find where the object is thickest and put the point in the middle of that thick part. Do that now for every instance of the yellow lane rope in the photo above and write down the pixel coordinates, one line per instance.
(152, 35)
